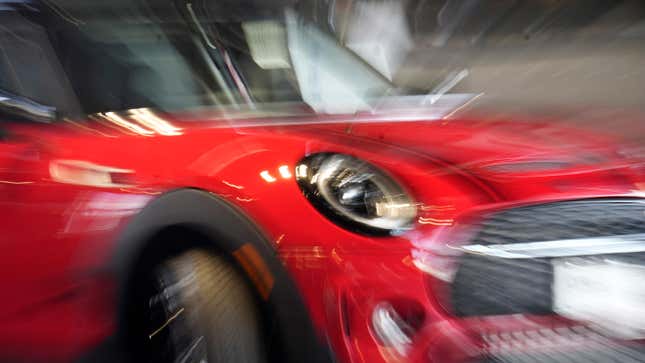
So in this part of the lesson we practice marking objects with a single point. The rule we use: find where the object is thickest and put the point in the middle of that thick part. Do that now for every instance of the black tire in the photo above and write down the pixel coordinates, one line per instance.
(196, 307)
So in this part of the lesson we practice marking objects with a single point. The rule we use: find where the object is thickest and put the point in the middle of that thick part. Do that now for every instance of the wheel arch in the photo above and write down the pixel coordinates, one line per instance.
(226, 229)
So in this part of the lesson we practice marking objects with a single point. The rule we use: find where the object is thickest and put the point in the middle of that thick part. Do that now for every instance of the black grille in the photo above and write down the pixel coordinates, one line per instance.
(494, 286)
(609, 353)
(560, 345)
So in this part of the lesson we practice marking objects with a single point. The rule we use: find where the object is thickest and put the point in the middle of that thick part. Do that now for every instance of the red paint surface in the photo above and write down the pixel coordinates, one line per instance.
(57, 303)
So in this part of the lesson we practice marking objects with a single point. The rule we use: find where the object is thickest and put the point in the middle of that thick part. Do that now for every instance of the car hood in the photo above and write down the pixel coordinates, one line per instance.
(496, 146)
(485, 147)
(520, 160)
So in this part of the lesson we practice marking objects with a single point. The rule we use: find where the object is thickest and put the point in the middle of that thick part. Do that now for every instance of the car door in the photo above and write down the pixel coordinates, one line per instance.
(33, 265)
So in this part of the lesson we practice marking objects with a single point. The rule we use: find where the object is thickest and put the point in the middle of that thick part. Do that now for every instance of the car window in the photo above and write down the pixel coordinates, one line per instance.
(116, 61)
(331, 78)
(284, 57)
(258, 51)
(29, 66)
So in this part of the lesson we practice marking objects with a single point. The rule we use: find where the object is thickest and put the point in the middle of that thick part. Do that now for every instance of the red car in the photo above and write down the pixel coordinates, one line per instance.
(159, 206)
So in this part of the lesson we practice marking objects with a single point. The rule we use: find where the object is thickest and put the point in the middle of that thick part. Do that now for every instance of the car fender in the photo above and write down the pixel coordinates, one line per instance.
(234, 234)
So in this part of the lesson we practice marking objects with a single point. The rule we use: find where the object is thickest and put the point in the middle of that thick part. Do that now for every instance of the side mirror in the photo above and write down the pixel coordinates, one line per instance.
(23, 108)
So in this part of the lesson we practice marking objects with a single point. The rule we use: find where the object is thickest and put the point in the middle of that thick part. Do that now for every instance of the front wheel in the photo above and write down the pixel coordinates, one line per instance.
(196, 307)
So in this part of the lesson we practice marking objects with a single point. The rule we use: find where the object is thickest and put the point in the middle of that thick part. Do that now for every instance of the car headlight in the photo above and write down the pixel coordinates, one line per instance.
(355, 194)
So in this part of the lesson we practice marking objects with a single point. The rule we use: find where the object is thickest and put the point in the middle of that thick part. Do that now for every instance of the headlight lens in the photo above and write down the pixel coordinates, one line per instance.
(355, 194)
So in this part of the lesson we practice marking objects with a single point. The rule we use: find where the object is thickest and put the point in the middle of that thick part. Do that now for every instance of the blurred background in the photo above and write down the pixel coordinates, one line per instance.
(578, 61)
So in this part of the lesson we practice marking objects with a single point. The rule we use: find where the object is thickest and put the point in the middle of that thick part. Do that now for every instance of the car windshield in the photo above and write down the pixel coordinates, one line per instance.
(88, 56)
(96, 57)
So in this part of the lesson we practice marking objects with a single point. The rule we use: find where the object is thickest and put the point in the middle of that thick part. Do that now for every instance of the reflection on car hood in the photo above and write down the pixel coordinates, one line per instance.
(496, 145)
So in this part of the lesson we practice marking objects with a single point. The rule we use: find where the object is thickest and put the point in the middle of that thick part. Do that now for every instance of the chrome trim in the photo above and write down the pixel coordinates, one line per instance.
(391, 329)
(24, 107)
(628, 243)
